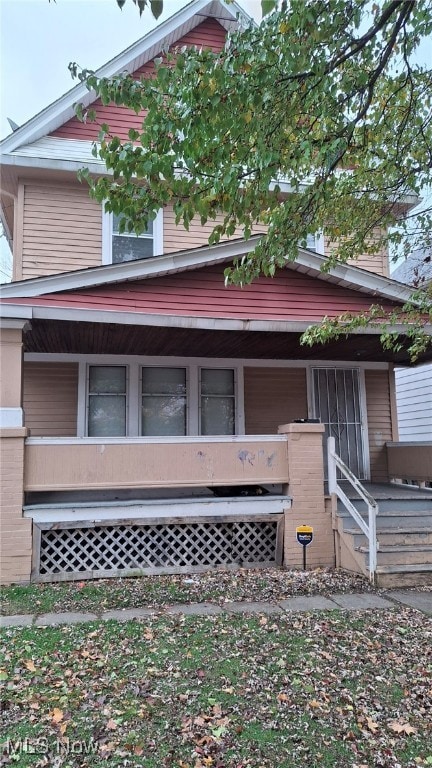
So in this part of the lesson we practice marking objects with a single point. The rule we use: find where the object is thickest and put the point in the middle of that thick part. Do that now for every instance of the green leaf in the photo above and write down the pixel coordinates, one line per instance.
(156, 7)
(267, 6)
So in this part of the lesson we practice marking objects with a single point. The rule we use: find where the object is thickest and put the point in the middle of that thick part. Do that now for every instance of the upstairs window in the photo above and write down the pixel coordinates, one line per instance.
(315, 242)
(118, 247)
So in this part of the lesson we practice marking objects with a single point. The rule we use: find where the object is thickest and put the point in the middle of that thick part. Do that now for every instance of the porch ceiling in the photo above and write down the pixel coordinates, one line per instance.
(101, 338)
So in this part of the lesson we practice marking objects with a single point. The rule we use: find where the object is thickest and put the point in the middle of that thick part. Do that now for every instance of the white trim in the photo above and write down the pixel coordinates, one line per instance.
(214, 362)
(10, 418)
(155, 509)
(130, 270)
(187, 321)
(155, 440)
(365, 425)
(81, 394)
(240, 408)
(107, 236)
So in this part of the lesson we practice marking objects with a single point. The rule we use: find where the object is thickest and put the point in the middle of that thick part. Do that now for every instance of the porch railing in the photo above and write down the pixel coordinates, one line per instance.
(73, 464)
(369, 528)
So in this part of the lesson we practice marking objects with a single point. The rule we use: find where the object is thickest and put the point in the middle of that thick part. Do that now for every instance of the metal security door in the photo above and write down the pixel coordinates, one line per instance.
(337, 405)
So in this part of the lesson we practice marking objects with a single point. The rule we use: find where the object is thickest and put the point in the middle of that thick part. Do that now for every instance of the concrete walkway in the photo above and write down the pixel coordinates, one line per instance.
(421, 601)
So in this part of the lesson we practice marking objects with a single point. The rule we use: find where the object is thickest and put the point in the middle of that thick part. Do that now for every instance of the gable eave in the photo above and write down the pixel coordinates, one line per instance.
(129, 60)
(308, 262)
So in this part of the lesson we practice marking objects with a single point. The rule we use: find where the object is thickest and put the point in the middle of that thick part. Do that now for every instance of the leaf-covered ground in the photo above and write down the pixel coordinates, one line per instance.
(158, 591)
(333, 689)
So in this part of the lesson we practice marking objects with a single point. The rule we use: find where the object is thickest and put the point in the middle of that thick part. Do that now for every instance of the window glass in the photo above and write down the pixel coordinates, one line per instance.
(128, 246)
(163, 401)
(107, 401)
(217, 381)
(217, 401)
(107, 379)
(217, 416)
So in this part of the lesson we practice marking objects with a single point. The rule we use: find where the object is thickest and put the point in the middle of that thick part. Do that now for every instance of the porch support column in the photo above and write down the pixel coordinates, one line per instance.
(16, 532)
(306, 488)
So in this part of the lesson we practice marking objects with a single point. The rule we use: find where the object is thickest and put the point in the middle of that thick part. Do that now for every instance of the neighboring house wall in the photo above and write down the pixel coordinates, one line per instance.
(414, 399)
(414, 385)
(380, 421)
(50, 399)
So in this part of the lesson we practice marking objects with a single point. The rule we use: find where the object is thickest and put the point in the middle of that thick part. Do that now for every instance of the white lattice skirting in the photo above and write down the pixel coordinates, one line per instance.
(64, 552)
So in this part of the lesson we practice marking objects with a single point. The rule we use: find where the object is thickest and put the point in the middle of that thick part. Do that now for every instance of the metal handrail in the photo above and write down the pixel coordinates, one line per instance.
(369, 529)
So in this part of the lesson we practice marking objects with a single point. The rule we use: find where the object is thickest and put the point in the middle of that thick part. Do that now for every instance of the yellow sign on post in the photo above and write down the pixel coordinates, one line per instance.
(304, 535)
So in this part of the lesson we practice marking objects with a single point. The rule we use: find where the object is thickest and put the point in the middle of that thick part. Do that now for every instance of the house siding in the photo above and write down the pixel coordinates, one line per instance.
(176, 238)
(414, 402)
(62, 230)
(50, 399)
(378, 263)
(273, 396)
(209, 35)
(379, 418)
(289, 295)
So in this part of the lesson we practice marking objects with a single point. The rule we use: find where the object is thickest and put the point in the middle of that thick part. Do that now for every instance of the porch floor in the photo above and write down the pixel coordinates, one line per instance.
(388, 491)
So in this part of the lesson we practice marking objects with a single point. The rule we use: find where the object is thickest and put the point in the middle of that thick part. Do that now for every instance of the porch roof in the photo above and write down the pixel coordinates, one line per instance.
(71, 337)
(179, 304)
(307, 262)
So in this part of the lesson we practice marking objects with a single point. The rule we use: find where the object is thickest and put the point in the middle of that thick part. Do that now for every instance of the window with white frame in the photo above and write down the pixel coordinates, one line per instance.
(315, 242)
(217, 401)
(118, 247)
(154, 401)
(163, 407)
(107, 401)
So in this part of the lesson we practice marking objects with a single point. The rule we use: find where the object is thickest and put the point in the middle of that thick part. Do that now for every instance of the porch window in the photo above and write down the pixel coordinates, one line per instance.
(158, 400)
(217, 404)
(119, 246)
(163, 408)
(107, 393)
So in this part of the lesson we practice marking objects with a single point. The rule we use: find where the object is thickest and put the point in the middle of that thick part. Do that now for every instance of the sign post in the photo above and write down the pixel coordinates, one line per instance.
(304, 535)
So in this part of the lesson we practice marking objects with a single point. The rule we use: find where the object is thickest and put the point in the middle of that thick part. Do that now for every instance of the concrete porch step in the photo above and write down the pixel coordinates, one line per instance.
(401, 555)
(393, 536)
(393, 518)
(404, 575)
(404, 533)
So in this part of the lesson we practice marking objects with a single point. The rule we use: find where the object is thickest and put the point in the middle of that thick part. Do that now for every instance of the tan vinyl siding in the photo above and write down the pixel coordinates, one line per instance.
(176, 238)
(50, 399)
(62, 229)
(273, 396)
(377, 262)
(379, 422)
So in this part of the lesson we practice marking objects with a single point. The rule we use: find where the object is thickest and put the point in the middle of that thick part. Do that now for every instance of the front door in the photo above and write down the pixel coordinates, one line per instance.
(337, 404)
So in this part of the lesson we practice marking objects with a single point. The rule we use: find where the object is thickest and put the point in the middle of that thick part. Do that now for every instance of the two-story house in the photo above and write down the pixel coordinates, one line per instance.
(137, 389)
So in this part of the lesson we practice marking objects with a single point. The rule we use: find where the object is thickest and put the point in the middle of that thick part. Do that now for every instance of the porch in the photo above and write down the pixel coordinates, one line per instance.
(107, 507)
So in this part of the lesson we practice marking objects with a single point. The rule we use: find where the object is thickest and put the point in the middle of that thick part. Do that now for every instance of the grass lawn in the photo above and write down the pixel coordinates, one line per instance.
(329, 689)
(158, 591)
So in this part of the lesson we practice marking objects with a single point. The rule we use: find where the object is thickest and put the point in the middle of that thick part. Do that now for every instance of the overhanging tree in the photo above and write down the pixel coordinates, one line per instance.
(318, 119)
